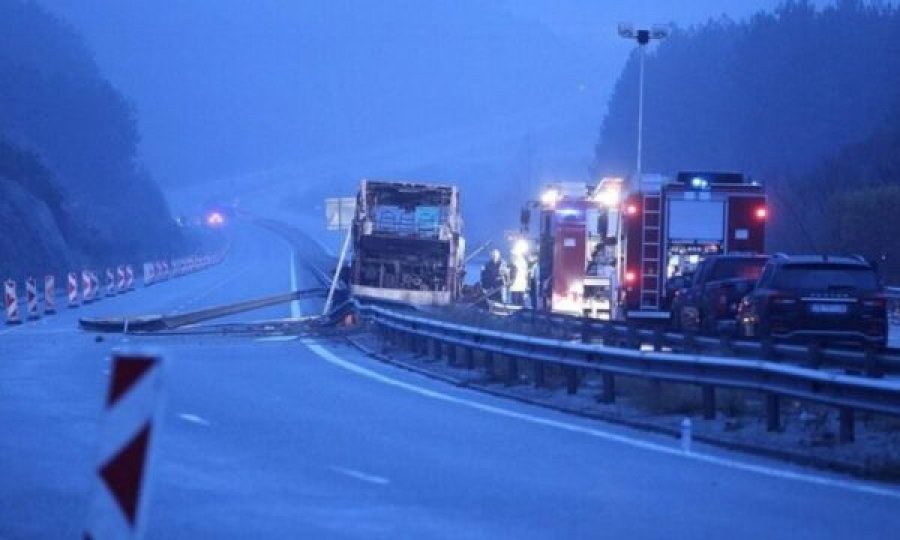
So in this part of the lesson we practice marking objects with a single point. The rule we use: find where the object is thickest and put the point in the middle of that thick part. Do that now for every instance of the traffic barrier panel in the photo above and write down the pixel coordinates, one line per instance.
(12, 302)
(120, 279)
(131, 414)
(72, 289)
(31, 298)
(110, 282)
(86, 297)
(129, 277)
(49, 294)
(95, 286)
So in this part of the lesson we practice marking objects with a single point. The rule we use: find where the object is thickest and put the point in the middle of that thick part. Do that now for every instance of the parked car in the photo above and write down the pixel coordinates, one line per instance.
(821, 298)
(716, 290)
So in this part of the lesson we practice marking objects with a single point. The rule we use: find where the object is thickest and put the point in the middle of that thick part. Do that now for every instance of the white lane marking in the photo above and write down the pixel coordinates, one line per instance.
(210, 290)
(295, 304)
(276, 338)
(358, 475)
(193, 418)
(764, 470)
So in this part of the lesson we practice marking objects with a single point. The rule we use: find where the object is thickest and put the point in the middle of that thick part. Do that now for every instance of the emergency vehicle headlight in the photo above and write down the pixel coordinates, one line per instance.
(609, 196)
(521, 247)
(550, 197)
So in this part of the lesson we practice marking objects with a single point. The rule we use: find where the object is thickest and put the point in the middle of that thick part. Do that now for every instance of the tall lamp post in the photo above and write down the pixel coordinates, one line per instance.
(643, 37)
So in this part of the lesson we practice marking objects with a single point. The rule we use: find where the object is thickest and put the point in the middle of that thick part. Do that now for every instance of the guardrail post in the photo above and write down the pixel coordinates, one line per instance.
(608, 334)
(608, 393)
(632, 339)
(470, 358)
(767, 347)
(873, 365)
(586, 334)
(436, 349)
(814, 352)
(846, 419)
(689, 344)
(451, 354)
(538, 373)
(571, 379)
(709, 402)
(512, 370)
(773, 412)
(657, 339)
(489, 368)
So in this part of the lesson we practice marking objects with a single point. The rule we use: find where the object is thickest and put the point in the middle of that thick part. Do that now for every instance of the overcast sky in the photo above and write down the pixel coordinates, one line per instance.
(225, 87)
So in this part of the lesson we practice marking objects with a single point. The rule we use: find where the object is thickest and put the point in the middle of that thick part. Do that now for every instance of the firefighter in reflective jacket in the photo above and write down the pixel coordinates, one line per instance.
(495, 276)
(521, 274)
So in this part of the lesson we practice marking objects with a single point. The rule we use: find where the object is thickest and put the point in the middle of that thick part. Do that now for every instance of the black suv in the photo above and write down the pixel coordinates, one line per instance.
(819, 298)
(713, 295)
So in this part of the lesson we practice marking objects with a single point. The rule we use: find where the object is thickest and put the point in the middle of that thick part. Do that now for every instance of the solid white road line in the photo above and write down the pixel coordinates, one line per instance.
(295, 304)
(352, 473)
(193, 418)
(764, 470)
(276, 338)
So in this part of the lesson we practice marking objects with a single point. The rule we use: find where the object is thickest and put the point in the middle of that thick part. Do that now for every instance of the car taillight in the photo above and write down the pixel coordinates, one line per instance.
(874, 303)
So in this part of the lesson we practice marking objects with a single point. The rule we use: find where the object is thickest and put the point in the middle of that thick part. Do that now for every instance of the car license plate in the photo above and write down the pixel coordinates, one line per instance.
(828, 308)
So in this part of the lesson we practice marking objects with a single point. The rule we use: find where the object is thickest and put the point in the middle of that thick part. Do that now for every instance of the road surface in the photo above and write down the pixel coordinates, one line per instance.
(309, 438)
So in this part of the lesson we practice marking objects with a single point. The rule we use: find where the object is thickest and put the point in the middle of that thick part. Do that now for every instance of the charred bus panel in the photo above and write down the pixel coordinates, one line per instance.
(407, 243)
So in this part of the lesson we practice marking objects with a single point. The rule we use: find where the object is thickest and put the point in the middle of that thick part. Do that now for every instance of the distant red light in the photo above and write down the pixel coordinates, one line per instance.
(762, 212)
(215, 219)
(631, 209)
(630, 277)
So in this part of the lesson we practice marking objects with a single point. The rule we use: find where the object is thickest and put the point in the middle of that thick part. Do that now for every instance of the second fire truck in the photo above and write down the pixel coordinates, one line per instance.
(607, 251)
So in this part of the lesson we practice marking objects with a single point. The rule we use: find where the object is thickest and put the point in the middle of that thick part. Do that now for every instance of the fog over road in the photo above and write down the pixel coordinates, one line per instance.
(308, 437)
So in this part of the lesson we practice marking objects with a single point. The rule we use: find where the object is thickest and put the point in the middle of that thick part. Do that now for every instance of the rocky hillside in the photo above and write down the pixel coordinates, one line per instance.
(72, 190)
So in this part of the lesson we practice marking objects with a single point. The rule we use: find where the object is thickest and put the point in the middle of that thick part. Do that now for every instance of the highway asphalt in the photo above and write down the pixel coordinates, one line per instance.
(309, 438)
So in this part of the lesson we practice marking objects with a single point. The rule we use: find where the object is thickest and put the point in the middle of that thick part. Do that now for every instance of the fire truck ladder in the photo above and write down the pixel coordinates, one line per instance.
(650, 255)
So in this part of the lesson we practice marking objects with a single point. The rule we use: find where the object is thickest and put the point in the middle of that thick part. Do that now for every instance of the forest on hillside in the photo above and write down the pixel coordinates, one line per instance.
(804, 99)
(72, 190)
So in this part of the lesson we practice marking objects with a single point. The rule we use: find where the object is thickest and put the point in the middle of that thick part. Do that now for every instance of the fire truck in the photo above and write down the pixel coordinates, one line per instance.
(607, 251)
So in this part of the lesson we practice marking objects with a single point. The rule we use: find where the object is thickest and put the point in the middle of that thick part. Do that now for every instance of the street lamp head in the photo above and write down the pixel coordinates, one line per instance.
(626, 30)
(659, 31)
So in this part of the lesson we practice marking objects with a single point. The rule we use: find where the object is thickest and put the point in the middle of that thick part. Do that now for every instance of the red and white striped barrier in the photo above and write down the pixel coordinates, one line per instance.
(120, 279)
(72, 289)
(95, 286)
(31, 298)
(12, 302)
(110, 282)
(86, 296)
(49, 294)
(130, 421)
(129, 278)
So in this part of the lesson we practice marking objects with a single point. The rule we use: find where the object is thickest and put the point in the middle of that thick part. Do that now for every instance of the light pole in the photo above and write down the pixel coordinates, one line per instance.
(643, 37)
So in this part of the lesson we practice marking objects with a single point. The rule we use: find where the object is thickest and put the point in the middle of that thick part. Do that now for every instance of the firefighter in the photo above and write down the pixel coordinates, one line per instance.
(495, 277)
(521, 274)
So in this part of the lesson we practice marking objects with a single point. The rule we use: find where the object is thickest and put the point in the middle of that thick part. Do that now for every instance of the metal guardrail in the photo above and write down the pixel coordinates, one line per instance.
(893, 299)
(847, 393)
(867, 360)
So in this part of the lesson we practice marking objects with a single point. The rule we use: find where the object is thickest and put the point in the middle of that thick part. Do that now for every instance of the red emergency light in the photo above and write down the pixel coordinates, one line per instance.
(215, 219)
(761, 213)
(631, 209)
(630, 277)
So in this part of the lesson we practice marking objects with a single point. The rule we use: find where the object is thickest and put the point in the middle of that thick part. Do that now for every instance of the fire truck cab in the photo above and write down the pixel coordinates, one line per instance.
(607, 251)
(668, 227)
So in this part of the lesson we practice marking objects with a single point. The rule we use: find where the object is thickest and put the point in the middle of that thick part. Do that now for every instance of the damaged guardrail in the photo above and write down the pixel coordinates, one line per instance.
(155, 323)
(775, 381)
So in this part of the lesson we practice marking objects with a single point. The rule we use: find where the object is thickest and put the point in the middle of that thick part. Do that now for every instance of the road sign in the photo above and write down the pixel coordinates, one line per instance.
(130, 422)
(339, 212)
